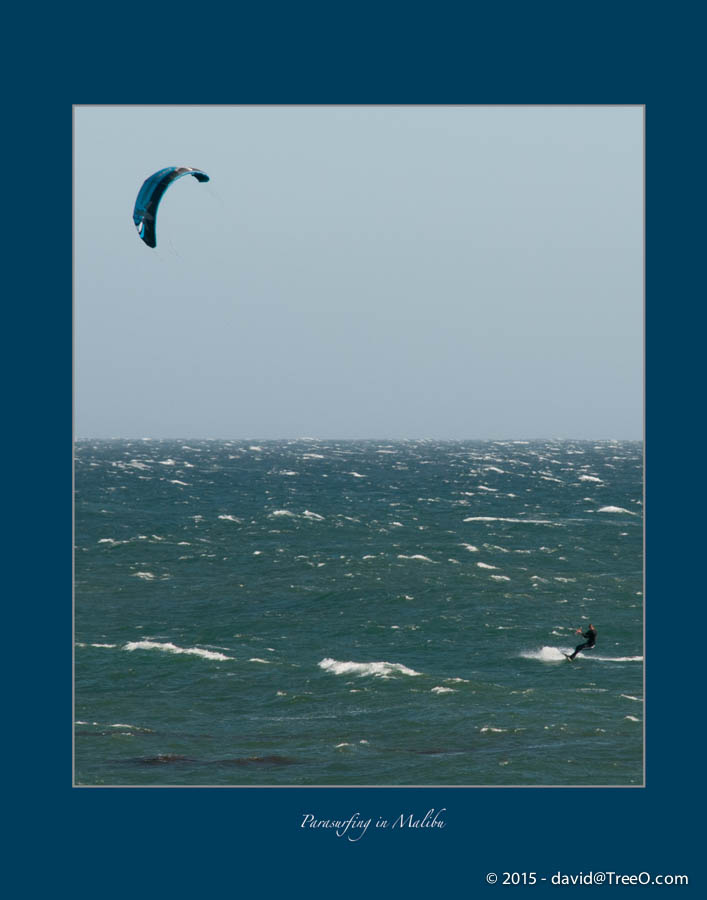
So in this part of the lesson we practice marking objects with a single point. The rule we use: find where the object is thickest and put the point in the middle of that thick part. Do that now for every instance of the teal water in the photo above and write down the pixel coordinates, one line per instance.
(357, 613)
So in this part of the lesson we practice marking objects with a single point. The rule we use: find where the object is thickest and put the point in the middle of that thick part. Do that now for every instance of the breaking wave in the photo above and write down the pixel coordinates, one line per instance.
(378, 669)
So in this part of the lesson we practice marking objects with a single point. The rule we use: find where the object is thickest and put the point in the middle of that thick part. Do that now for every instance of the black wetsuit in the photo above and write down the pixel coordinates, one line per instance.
(591, 637)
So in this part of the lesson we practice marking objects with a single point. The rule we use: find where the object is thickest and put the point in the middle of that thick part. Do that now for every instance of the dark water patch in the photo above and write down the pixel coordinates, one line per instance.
(166, 759)
(162, 759)
(258, 761)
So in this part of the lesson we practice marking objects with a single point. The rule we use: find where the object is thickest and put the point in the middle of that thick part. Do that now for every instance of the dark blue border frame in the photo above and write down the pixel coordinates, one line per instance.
(181, 841)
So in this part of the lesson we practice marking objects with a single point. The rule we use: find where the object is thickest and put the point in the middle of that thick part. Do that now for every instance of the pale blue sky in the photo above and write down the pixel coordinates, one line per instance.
(361, 272)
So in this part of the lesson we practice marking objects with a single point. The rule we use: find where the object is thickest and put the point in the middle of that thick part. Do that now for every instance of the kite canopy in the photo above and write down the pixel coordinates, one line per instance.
(151, 192)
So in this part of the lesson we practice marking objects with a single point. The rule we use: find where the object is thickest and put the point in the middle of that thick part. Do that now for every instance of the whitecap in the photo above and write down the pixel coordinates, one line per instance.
(377, 669)
(442, 690)
(172, 648)
(505, 519)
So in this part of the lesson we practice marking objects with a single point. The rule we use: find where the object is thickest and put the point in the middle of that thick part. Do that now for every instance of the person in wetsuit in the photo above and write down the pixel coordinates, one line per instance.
(590, 635)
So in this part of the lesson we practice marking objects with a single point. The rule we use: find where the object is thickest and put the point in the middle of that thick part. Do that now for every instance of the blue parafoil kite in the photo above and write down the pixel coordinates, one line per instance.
(151, 192)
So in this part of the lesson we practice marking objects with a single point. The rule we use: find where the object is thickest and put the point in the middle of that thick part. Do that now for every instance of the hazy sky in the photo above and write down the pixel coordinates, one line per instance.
(361, 272)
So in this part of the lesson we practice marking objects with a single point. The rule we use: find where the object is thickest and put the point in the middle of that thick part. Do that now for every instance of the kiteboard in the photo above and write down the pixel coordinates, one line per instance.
(568, 658)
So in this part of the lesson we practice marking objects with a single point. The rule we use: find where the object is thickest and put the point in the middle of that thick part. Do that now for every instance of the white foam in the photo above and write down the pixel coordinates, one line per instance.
(616, 509)
(629, 697)
(632, 718)
(615, 658)
(546, 654)
(485, 566)
(378, 669)
(146, 576)
(227, 518)
(308, 514)
(416, 556)
(176, 481)
(505, 519)
(356, 475)
(283, 512)
(471, 548)
(442, 690)
(255, 659)
(500, 577)
(590, 478)
(487, 728)
(172, 648)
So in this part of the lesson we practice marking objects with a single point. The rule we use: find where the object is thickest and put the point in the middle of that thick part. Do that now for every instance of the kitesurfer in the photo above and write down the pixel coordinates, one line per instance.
(591, 639)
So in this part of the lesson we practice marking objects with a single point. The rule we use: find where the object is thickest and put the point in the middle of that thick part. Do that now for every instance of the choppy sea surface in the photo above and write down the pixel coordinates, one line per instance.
(357, 613)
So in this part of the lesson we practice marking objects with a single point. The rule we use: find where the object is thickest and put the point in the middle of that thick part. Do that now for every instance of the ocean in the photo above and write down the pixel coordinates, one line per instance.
(311, 612)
